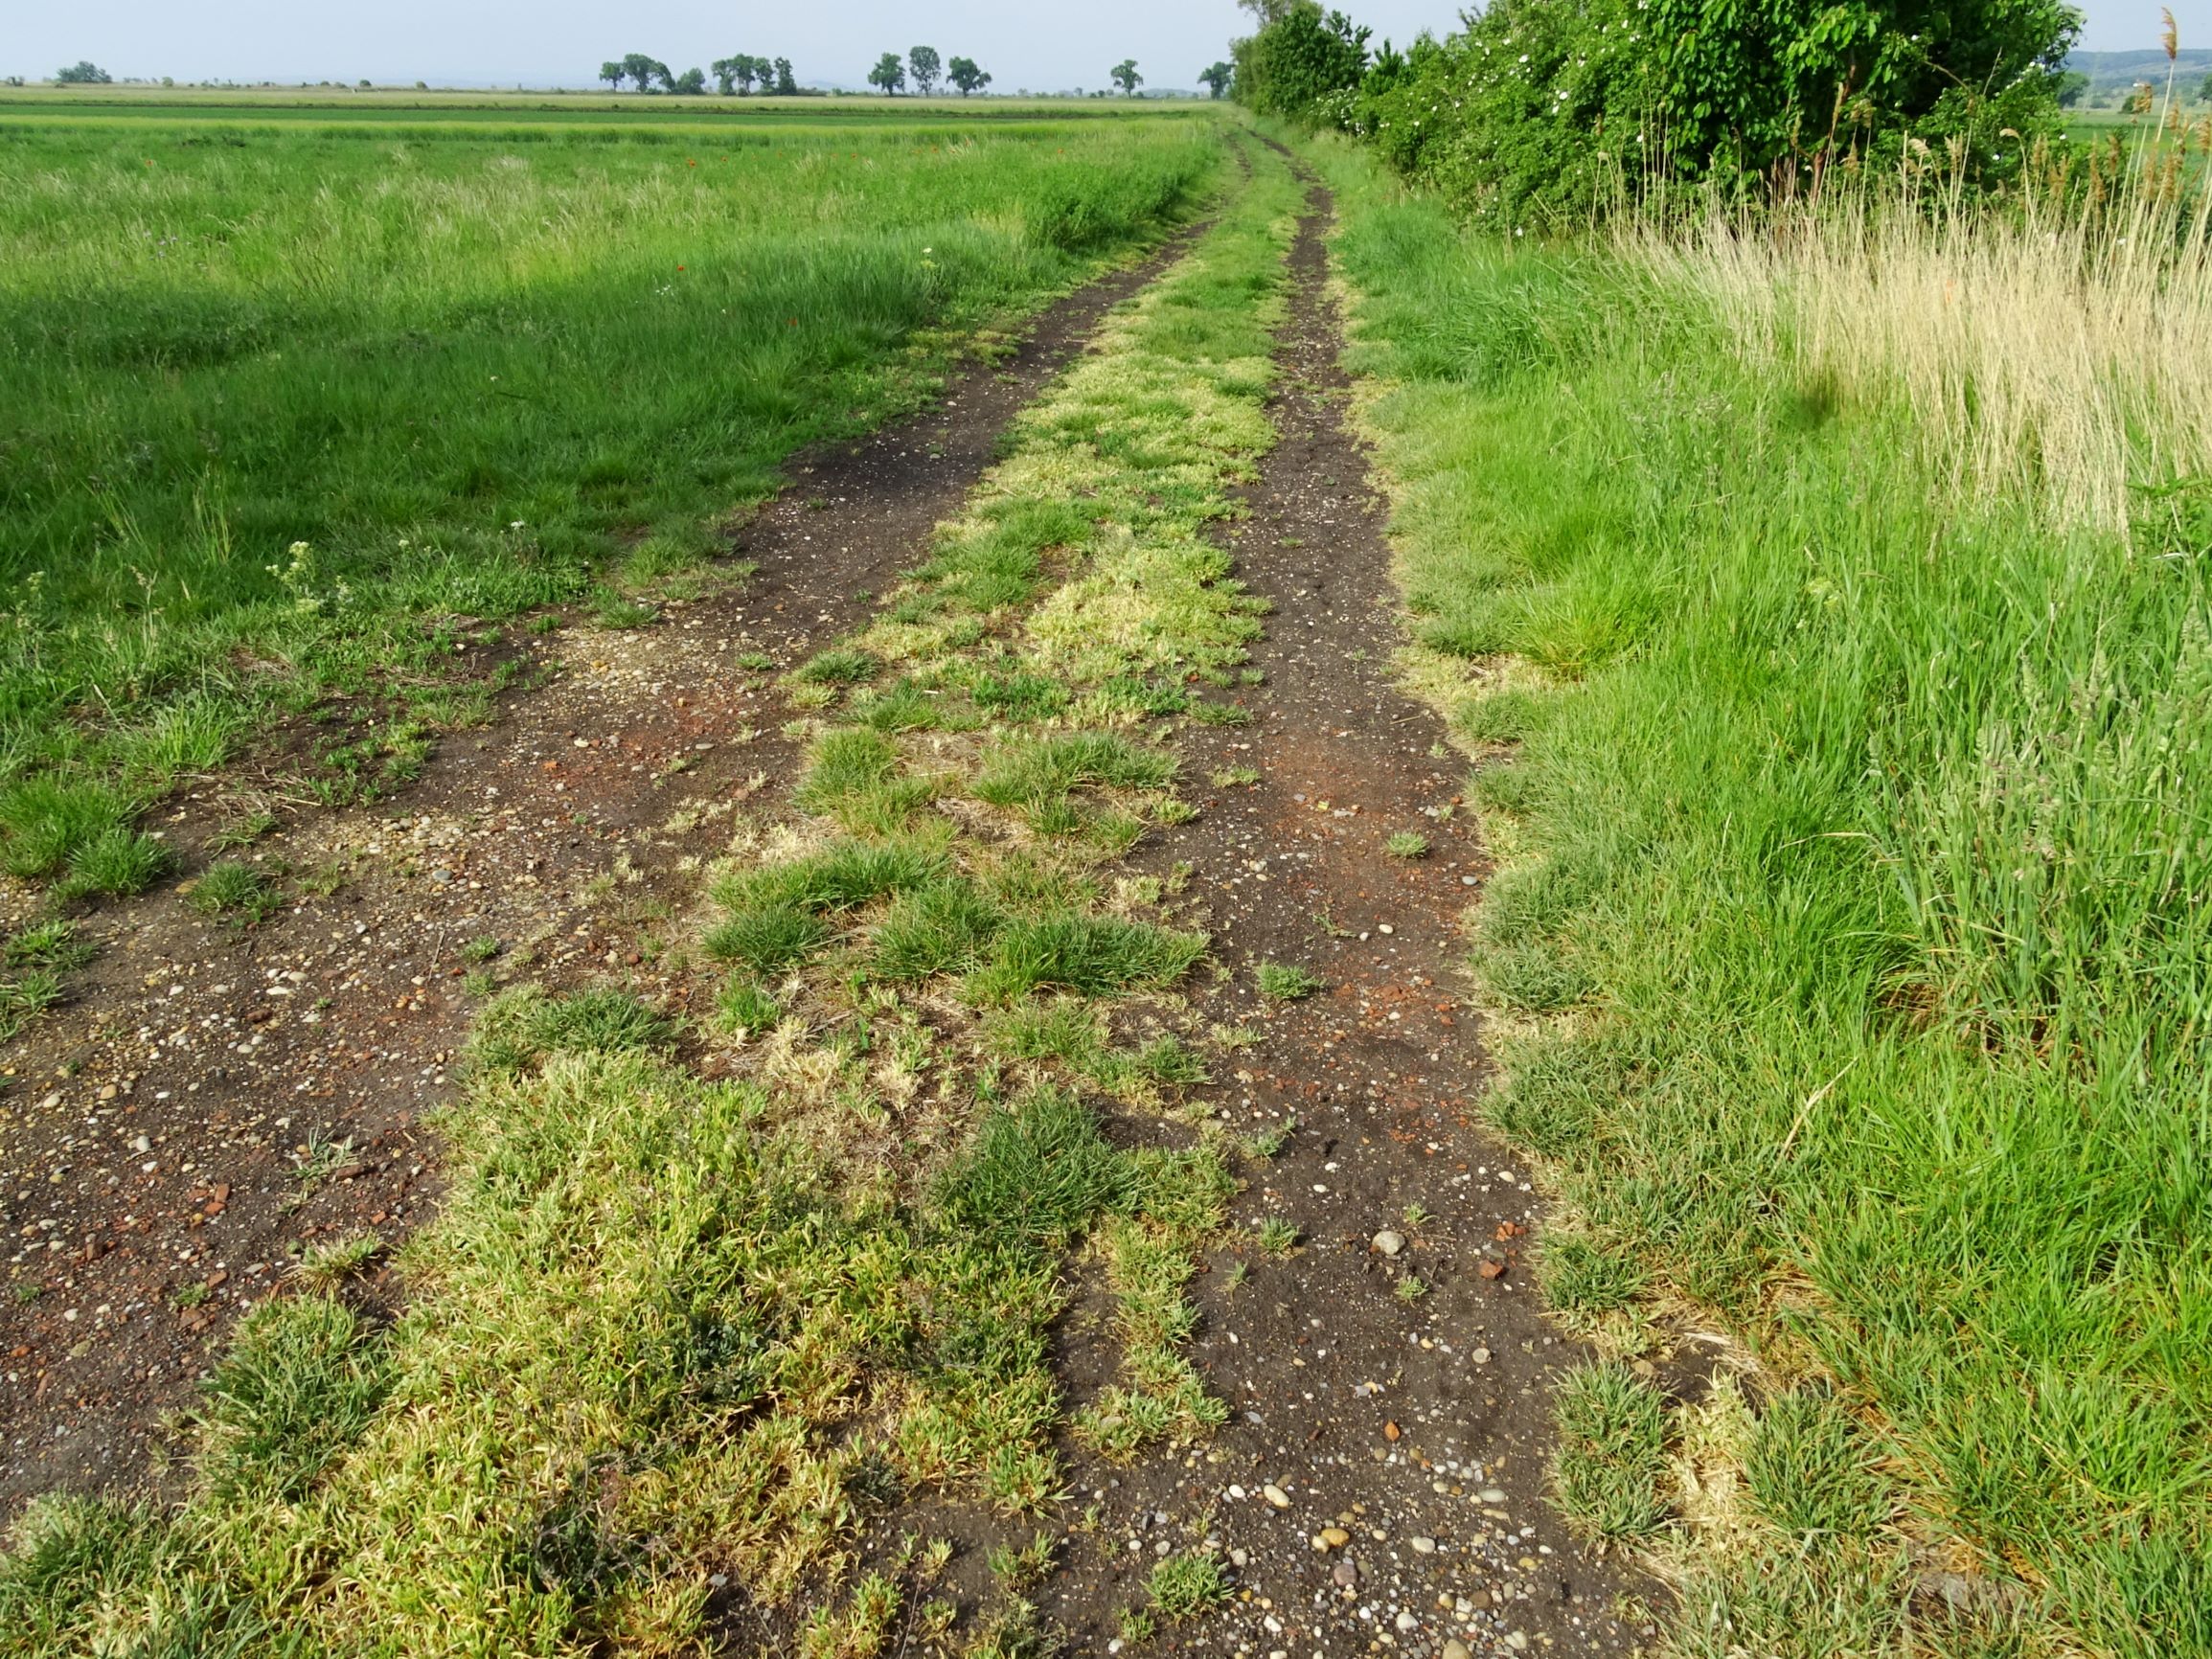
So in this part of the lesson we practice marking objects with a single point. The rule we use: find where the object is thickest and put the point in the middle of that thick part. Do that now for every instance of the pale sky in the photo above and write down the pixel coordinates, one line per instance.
(1043, 46)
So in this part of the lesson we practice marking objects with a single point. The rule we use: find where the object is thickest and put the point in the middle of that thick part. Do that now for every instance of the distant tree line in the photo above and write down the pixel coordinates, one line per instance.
(925, 69)
(739, 73)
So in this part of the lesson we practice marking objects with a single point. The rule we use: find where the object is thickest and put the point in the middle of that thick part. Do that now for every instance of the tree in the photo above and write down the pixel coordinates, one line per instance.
(690, 83)
(1126, 77)
(645, 71)
(965, 74)
(725, 72)
(2204, 92)
(2071, 86)
(84, 74)
(889, 73)
(787, 86)
(927, 68)
(612, 73)
(1784, 83)
(1299, 57)
(1218, 76)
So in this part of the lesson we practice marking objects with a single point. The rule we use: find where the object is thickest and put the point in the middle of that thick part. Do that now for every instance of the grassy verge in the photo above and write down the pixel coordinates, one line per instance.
(1850, 948)
(300, 414)
(673, 1345)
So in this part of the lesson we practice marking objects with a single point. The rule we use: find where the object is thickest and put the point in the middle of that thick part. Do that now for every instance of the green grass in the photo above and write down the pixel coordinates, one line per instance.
(1184, 1586)
(1858, 816)
(237, 891)
(1281, 981)
(299, 401)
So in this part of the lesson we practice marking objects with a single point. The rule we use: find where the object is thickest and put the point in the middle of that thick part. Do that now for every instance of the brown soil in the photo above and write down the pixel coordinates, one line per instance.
(155, 1133)
(1418, 1428)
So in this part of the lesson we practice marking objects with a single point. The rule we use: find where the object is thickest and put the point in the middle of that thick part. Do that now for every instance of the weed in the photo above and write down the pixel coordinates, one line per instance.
(945, 927)
(1406, 844)
(1090, 955)
(1611, 1454)
(1410, 1289)
(326, 1266)
(1234, 777)
(1278, 1236)
(117, 862)
(482, 949)
(768, 938)
(838, 667)
(237, 891)
(746, 1009)
(1184, 1586)
(1280, 983)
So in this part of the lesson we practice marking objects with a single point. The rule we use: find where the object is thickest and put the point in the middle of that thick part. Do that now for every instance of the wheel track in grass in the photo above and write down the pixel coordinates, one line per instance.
(94, 1351)
(1317, 1357)
(1390, 1420)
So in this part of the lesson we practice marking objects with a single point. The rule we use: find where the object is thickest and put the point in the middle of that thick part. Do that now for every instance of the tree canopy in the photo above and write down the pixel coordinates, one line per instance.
(889, 73)
(1218, 76)
(83, 73)
(967, 74)
(927, 68)
(1125, 75)
(1544, 110)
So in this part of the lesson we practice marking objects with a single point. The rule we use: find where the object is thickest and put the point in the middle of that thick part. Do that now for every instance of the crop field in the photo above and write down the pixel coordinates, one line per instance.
(287, 391)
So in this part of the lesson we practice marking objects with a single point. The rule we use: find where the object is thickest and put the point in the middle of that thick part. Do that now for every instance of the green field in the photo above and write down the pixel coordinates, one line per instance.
(289, 387)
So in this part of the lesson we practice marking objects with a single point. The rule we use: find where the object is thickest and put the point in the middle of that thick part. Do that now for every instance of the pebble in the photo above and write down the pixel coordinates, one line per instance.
(1239, 1559)
(1276, 1496)
(1423, 1546)
(1344, 1574)
(1491, 1495)
(1407, 1622)
(1455, 1649)
(1332, 1537)
(1480, 1356)
(1388, 1242)
(1517, 1641)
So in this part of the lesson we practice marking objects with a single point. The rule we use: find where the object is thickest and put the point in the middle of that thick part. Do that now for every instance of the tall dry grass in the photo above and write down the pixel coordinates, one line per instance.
(2057, 345)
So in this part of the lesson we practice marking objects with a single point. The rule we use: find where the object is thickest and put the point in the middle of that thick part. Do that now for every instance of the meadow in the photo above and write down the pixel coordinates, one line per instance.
(1828, 601)
(292, 388)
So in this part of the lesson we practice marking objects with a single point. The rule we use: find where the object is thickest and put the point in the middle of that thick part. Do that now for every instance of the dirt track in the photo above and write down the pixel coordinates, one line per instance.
(1408, 1433)
(565, 831)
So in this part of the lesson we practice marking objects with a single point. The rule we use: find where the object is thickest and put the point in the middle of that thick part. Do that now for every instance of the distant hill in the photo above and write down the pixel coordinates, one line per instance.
(2112, 73)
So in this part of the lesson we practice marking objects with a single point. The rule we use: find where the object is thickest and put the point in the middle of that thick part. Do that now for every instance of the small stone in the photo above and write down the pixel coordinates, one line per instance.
(1239, 1559)
(1517, 1641)
(1276, 1496)
(1491, 1495)
(1423, 1546)
(1480, 1356)
(1406, 1622)
(1391, 1431)
(1455, 1649)
(1388, 1242)
(1334, 1537)
(1344, 1574)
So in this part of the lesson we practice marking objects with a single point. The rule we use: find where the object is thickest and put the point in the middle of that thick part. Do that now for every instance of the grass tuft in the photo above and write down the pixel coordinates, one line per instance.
(1279, 981)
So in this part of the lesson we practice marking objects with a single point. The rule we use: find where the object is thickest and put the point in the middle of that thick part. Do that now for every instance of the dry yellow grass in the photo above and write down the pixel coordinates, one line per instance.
(2061, 355)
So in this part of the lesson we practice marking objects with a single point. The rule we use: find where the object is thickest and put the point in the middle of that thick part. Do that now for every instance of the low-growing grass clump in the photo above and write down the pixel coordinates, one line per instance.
(1286, 981)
